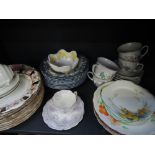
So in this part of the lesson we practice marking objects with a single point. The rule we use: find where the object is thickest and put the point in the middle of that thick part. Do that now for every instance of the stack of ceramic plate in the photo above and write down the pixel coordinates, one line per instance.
(125, 108)
(24, 100)
(69, 80)
(136, 78)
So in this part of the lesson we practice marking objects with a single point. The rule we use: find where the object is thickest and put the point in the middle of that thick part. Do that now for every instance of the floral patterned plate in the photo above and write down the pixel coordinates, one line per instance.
(28, 86)
(147, 127)
(129, 101)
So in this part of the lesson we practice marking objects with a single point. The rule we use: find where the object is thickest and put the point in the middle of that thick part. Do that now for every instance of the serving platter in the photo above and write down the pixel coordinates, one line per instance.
(116, 126)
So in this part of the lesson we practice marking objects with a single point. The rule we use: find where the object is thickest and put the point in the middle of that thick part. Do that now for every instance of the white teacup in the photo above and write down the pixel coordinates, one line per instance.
(97, 81)
(103, 71)
(64, 99)
(132, 51)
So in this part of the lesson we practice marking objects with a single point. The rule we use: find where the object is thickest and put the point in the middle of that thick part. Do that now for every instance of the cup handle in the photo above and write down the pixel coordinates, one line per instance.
(90, 75)
(93, 68)
(76, 93)
(146, 51)
(140, 65)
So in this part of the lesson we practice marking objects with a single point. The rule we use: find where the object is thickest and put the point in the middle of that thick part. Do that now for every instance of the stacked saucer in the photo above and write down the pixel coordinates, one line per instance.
(123, 107)
(63, 111)
(64, 70)
(129, 56)
(21, 100)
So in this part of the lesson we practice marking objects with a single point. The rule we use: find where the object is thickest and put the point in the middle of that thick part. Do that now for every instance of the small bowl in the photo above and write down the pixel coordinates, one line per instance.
(63, 61)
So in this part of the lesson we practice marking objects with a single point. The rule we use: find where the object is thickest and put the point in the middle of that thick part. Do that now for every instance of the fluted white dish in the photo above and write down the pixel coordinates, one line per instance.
(63, 61)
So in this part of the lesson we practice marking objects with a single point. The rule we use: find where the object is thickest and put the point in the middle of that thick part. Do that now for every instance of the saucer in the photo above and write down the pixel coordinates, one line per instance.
(59, 120)
(135, 79)
(128, 73)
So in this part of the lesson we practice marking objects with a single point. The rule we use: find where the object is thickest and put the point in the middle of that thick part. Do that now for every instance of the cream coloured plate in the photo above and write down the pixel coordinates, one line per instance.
(146, 128)
(124, 94)
(22, 89)
(13, 84)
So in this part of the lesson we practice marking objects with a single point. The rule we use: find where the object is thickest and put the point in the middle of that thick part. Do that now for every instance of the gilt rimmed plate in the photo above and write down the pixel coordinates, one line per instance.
(147, 127)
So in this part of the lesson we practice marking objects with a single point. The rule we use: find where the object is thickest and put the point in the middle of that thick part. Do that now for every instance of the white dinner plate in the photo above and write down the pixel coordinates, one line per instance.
(147, 127)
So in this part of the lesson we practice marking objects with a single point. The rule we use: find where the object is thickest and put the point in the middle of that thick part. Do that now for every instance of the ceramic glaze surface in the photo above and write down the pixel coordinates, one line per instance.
(6, 75)
(64, 99)
(8, 89)
(63, 61)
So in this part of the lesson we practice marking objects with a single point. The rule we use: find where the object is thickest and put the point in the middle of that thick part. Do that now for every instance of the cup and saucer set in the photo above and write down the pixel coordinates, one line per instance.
(130, 55)
(128, 66)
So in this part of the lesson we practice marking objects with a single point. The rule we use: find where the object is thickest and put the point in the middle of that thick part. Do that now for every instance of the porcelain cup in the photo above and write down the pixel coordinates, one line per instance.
(64, 99)
(132, 51)
(130, 66)
(103, 71)
(97, 81)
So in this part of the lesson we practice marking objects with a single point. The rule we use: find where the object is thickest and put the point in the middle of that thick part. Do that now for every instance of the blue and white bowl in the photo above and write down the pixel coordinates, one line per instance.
(65, 81)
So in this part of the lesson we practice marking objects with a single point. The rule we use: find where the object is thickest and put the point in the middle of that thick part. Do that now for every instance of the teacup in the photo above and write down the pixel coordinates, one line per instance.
(64, 99)
(135, 72)
(97, 81)
(129, 65)
(103, 71)
(132, 51)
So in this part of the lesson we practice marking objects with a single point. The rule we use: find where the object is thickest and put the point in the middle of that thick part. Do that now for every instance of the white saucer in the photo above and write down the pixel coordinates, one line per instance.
(13, 84)
(58, 120)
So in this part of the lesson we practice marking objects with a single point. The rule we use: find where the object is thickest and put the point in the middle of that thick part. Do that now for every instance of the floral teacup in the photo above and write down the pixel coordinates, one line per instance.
(103, 71)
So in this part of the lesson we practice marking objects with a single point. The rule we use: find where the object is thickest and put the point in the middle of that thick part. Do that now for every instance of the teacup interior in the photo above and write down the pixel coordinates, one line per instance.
(133, 46)
(107, 63)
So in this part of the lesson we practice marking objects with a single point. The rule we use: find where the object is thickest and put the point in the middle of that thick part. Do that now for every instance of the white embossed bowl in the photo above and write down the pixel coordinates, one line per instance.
(63, 61)
(6, 75)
